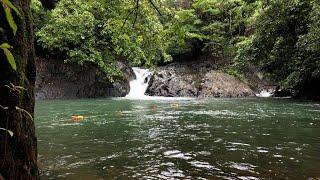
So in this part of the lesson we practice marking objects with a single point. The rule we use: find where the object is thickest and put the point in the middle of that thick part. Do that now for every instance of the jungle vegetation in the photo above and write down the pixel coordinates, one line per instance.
(281, 38)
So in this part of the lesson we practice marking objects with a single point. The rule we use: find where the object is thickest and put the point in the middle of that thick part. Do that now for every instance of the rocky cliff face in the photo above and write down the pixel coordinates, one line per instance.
(196, 79)
(57, 80)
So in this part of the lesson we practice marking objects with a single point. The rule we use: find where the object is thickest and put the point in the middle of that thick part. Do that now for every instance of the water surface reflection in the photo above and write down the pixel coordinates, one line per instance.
(186, 139)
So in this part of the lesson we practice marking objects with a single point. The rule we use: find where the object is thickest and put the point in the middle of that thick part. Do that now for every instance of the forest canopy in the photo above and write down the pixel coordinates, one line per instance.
(281, 38)
(103, 32)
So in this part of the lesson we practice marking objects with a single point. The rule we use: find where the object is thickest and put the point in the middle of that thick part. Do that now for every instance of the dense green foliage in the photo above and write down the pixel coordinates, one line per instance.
(104, 32)
(8, 8)
(280, 38)
(286, 42)
(219, 25)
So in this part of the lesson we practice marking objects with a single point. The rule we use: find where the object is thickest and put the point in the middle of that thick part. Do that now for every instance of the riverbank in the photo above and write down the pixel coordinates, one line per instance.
(57, 80)
(202, 79)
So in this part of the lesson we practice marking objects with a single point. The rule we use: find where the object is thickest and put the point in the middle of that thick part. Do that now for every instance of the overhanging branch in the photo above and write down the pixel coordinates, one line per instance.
(155, 7)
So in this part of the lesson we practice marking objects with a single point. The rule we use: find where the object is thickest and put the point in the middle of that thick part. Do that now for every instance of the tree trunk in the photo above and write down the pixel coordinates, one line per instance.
(18, 154)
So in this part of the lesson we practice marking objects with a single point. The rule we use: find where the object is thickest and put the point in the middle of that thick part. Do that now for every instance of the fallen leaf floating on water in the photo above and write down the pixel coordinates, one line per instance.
(77, 118)
(119, 113)
(154, 108)
(175, 105)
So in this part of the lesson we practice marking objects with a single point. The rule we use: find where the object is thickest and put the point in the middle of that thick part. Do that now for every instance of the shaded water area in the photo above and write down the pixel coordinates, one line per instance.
(179, 139)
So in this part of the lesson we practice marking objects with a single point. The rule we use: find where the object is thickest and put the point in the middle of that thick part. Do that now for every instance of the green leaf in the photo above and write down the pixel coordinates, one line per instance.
(10, 132)
(9, 55)
(5, 45)
(10, 5)
(10, 20)
(90, 2)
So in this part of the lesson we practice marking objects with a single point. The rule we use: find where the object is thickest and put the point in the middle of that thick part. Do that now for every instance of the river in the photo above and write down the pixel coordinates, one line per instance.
(179, 139)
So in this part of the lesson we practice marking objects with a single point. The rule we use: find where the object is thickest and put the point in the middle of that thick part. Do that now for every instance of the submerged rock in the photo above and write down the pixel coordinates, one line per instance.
(195, 80)
(57, 80)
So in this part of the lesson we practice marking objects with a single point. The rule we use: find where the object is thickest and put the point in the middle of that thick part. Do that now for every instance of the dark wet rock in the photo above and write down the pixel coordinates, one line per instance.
(195, 79)
(309, 90)
(257, 80)
(57, 80)
(284, 92)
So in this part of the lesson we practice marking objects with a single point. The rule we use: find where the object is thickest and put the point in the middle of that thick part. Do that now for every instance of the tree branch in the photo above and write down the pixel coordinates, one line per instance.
(127, 17)
(155, 7)
(137, 11)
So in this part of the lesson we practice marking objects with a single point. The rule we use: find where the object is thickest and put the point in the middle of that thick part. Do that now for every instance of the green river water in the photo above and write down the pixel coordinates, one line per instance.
(179, 139)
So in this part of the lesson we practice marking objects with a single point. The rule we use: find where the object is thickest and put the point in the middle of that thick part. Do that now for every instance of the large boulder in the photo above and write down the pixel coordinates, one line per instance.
(195, 79)
(218, 84)
(57, 80)
(170, 83)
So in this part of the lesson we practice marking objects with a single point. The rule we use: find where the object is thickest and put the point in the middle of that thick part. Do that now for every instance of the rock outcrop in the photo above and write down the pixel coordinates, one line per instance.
(196, 79)
(219, 84)
(57, 80)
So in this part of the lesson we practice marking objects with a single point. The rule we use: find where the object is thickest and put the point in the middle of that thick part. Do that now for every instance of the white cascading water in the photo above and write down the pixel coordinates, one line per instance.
(139, 85)
(265, 93)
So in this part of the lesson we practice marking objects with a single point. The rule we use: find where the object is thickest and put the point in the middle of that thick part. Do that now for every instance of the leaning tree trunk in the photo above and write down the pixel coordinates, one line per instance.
(18, 154)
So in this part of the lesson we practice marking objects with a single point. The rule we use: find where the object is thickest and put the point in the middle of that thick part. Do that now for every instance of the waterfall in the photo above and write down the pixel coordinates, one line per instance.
(139, 85)
(265, 93)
